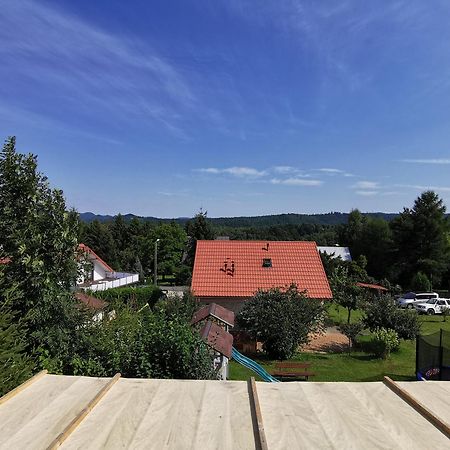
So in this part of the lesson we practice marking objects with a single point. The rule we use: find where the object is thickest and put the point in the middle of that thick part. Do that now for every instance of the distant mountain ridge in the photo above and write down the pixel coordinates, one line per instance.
(331, 218)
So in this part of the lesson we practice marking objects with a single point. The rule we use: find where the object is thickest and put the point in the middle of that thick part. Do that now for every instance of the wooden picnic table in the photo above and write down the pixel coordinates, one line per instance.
(281, 371)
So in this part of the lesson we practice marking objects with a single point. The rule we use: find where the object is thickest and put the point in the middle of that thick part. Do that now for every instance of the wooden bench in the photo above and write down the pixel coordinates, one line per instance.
(282, 370)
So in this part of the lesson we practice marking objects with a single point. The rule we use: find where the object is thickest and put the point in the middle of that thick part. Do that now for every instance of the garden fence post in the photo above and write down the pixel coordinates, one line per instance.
(417, 354)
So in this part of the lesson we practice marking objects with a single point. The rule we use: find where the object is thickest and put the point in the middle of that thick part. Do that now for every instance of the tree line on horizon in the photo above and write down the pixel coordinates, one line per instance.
(412, 249)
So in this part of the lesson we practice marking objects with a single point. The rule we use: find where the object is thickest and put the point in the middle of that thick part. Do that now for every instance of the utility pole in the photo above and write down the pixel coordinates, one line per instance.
(155, 271)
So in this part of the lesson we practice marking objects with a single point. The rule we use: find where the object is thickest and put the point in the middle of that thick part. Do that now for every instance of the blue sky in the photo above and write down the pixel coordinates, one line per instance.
(240, 107)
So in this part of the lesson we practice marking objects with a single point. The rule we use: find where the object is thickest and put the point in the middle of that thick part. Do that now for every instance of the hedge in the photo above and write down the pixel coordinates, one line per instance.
(131, 296)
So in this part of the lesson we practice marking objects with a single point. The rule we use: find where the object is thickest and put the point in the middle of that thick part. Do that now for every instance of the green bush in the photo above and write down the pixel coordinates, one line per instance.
(384, 342)
(420, 283)
(178, 308)
(281, 320)
(143, 345)
(385, 313)
(352, 330)
(183, 275)
(15, 366)
(135, 297)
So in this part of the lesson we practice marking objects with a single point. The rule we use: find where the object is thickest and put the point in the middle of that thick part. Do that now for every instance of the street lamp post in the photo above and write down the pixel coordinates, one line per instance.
(155, 281)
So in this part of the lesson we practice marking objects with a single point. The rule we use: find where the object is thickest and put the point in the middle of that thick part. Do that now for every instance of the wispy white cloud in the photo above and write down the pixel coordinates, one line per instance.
(173, 194)
(284, 175)
(330, 170)
(89, 69)
(296, 182)
(244, 172)
(439, 161)
(369, 185)
(284, 169)
(31, 119)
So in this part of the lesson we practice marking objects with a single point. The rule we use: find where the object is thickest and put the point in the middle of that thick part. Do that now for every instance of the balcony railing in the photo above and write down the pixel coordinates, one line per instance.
(113, 280)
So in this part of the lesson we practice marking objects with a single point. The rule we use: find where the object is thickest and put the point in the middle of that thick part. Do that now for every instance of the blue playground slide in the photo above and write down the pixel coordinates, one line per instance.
(252, 365)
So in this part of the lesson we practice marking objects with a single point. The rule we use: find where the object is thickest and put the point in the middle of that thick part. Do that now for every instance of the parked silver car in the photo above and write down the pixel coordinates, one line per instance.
(410, 299)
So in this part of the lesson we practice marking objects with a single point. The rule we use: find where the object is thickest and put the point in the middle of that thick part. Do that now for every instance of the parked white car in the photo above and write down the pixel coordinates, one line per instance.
(433, 306)
(410, 299)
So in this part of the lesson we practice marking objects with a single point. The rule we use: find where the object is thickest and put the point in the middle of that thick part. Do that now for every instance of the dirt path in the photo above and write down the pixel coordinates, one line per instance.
(331, 342)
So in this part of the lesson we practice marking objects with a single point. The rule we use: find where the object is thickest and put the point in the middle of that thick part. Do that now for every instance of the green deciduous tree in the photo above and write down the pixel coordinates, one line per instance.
(420, 283)
(385, 313)
(172, 244)
(39, 235)
(345, 290)
(352, 330)
(281, 320)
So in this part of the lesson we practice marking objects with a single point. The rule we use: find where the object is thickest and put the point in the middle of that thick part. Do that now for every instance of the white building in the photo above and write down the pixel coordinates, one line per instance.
(97, 275)
(336, 252)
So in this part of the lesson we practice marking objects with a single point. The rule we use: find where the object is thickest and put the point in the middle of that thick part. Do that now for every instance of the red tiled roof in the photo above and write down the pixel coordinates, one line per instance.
(372, 286)
(235, 268)
(213, 310)
(5, 261)
(88, 250)
(90, 301)
(217, 338)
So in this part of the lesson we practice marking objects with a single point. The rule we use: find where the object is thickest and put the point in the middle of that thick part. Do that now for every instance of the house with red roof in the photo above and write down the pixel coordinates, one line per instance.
(97, 275)
(230, 272)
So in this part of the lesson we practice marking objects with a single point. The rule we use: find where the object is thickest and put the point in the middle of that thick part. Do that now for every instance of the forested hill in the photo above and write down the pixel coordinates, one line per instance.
(332, 218)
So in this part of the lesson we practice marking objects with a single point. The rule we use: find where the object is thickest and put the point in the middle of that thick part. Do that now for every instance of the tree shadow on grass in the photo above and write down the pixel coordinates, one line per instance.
(365, 357)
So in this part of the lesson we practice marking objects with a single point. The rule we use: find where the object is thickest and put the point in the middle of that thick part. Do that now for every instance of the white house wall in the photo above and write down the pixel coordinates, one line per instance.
(99, 271)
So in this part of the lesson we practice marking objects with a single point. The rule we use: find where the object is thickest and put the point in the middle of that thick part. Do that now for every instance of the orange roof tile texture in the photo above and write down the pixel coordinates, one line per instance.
(235, 268)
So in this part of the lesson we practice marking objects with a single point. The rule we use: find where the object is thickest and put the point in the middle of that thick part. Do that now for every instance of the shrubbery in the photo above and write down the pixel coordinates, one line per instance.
(178, 308)
(135, 297)
(351, 330)
(281, 320)
(384, 342)
(143, 345)
(384, 313)
(15, 365)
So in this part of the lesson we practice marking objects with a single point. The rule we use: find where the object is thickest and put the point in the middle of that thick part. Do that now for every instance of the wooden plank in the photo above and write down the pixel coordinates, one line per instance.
(419, 407)
(82, 414)
(258, 426)
(22, 386)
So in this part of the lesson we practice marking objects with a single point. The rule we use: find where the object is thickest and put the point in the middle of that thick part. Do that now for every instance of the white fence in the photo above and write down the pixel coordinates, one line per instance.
(118, 279)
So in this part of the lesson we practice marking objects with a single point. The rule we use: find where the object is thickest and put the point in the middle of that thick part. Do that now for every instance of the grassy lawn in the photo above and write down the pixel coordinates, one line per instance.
(358, 366)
